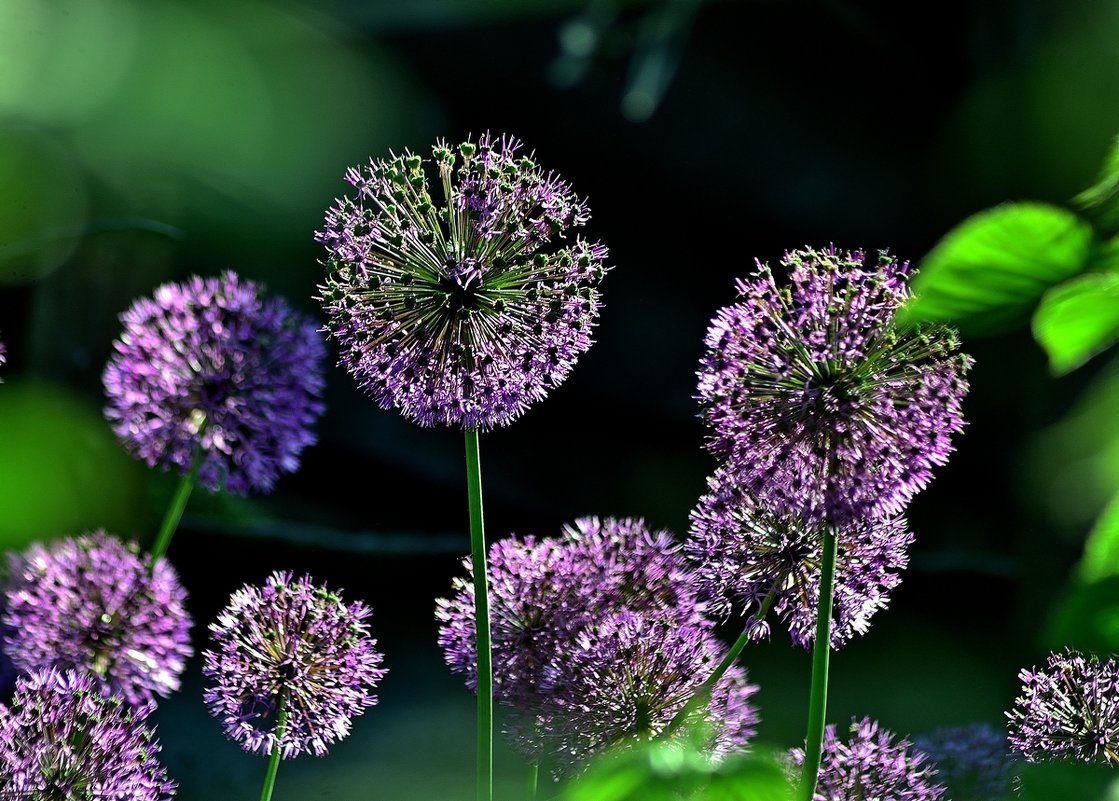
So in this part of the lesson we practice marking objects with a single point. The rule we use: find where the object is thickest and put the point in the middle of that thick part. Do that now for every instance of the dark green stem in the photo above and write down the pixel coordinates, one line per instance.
(178, 504)
(821, 650)
(481, 619)
(533, 778)
(704, 690)
(274, 759)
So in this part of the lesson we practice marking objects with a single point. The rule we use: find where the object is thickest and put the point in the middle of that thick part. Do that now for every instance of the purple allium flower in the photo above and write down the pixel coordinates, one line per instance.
(62, 739)
(208, 363)
(1068, 710)
(452, 304)
(818, 403)
(974, 762)
(871, 765)
(290, 649)
(624, 680)
(92, 603)
(742, 552)
(544, 592)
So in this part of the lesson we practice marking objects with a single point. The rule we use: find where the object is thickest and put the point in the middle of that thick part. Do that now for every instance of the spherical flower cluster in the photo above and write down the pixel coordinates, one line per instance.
(871, 765)
(94, 604)
(291, 665)
(209, 366)
(1068, 710)
(544, 592)
(817, 402)
(453, 304)
(973, 762)
(743, 552)
(625, 679)
(62, 739)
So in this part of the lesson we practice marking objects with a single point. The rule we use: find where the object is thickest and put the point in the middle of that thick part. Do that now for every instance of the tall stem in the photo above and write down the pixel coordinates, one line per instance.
(274, 759)
(533, 779)
(821, 650)
(481, 619)
(705, 689)
(175, 510)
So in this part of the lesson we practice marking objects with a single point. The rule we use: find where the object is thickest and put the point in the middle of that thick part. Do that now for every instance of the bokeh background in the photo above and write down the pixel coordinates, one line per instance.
(141, 142)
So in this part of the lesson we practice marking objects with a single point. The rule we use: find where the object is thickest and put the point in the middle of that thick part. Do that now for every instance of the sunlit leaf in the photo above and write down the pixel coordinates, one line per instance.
(1086, 617)
(1078, 319)
(1100, 201)
(990, 270)
(1101, 551)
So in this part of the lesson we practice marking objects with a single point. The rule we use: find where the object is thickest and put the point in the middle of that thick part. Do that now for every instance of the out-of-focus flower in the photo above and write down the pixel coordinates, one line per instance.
(974, 762)
(209, 366)
(61, 738)
(291, 665)
(625, 679)
(1068, 710)
(872, 765)
(445, 289)
(743, 551)
(92, 603)
(817, 402)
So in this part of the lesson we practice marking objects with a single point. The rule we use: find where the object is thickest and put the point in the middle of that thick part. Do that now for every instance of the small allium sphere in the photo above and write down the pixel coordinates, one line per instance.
(871, 765)
(291, 665)
(1068, 710)
(209, 364)
(817, 401)
(544, 592)
(624, 680)
(92, 603)
(974, 762)
(446, 289)
(62, 739)
(743, 551)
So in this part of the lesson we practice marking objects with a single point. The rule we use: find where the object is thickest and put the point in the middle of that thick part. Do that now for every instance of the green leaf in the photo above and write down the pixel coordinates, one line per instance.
(1085, 617)
(1050, 781)
(1078, 320)
(1101, 551)
(989, 271)
(1100, 202)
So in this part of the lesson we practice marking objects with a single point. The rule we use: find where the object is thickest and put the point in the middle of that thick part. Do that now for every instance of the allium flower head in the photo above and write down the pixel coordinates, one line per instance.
(871, 765)
(1068, 710)
(291, 665)
(625, 679)
(544, 592)
(742, 551)
(92, 603)
(973, 762)
(817, 401)
(446, 288)
(62, 739)
(208, 363)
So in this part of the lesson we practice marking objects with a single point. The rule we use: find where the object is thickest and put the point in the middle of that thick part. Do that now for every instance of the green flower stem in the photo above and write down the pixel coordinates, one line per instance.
(178, 504)
(481, 619)
(274, 759)
(533, 778)
(705, 689)
(821, 650)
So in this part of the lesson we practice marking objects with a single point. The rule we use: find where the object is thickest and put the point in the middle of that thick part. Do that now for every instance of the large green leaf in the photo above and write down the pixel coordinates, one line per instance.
(1058, 781)
(1100, 201)
(1101, 551)
(1078, 319)
(989, 271)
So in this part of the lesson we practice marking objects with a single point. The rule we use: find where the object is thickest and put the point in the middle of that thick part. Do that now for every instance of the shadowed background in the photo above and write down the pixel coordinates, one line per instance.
(143, 142)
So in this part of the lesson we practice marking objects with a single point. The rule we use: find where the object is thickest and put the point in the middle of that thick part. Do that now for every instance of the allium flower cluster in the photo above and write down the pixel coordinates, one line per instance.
(446, 289)
(743, 551)
(1068, 710)
(209, 365)
(62, 739)
(291, 665)
(973, 762)
(544, 592)
(625, 679)
(820, 406)
(871, 765)
(94, 604)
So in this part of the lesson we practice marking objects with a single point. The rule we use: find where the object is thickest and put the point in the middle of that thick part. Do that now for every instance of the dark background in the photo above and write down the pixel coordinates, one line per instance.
(143, 142)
